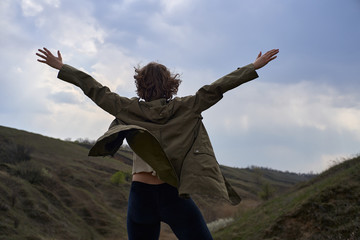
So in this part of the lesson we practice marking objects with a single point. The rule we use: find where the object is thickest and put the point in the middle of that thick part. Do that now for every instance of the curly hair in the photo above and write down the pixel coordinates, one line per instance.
(155, 81)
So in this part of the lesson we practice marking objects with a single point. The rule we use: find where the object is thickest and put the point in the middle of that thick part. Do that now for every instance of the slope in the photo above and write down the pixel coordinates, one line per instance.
(51, 189)
(326, 207)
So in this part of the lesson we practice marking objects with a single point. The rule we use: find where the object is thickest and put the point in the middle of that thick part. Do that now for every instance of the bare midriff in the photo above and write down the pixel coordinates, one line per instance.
(146, 177)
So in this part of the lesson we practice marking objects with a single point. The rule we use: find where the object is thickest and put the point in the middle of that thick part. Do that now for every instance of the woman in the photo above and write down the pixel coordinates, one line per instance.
(173, 156)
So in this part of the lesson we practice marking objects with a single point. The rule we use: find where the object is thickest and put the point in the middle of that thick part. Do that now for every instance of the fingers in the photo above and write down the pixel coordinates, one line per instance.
(42, 56)
(59, 55)
(262, 60)
(48, 52)
(272, 58)
(272, 52)
(259, 55)
(43, 52)
(270, 55)
(47, 57)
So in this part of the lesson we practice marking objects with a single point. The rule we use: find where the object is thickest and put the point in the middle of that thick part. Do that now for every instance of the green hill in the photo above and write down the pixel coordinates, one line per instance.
(57, 191)
(51, 190)
(250, 182)
(326, 207)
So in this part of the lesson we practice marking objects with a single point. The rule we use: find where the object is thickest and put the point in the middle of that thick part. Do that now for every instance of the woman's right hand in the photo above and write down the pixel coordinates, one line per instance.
(50, 59)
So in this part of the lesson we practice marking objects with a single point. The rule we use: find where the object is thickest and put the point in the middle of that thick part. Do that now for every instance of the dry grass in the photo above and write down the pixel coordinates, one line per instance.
(326, 207)
(57, 192)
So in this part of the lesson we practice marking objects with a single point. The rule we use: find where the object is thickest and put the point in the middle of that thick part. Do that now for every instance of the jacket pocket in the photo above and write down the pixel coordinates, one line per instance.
(202, 144)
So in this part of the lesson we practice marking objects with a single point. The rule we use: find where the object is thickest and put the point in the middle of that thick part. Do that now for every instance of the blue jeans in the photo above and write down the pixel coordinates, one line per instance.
(150, 204)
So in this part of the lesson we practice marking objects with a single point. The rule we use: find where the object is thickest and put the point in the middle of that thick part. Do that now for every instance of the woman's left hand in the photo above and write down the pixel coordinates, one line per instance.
(262, 60)
(50, 59)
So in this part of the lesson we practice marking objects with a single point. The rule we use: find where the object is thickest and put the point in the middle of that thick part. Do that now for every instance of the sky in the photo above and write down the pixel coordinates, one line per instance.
(301, 115)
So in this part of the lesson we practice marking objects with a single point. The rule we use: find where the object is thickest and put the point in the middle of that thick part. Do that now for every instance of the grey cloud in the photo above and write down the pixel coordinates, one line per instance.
(64, 97)
(295, 150)
(204, 40)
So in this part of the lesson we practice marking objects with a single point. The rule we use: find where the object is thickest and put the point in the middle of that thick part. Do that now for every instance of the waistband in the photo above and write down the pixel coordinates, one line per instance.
(152, 187)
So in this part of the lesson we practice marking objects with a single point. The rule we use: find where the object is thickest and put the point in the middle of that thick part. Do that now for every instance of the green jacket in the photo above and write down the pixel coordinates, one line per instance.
(168, 135)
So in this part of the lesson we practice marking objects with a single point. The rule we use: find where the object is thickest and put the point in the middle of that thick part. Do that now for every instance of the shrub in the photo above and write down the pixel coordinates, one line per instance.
(4, 206)
(31, 172)
(13, 153)
(119, 177)
(267, 191)
(22, 153)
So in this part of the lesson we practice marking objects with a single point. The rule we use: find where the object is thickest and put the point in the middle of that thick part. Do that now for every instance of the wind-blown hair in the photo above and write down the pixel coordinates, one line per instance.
(155, 81)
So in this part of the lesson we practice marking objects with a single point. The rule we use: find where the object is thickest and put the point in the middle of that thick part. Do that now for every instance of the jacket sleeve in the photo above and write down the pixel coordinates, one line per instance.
(208, 95)
(101, 95)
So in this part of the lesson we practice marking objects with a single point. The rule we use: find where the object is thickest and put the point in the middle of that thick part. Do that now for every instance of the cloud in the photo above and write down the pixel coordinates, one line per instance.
(76, 29)
(68, 119)
(63, 97)
(31, 8)
(11, 30)
(37, 101)
(299, 105)
(115, 69)
(31, 90)
(81, 34)
(176, 7)
(285, 126)
(347, 119)
(306, 109)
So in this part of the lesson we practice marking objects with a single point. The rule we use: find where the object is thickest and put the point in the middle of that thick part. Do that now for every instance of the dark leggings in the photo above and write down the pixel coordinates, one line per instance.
(150, 204)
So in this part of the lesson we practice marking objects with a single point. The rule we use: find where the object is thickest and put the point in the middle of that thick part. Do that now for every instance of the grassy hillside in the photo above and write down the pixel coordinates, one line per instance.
(250, 182)
(58, 192)
(326, 207)
(51, 190)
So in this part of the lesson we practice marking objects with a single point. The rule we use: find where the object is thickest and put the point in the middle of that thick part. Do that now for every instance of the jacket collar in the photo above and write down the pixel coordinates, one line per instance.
(156, 103)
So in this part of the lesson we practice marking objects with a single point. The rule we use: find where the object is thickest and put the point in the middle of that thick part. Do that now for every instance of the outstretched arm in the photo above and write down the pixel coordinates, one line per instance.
(262, 60)
(101, 95)
(50, 59)
(208, 95)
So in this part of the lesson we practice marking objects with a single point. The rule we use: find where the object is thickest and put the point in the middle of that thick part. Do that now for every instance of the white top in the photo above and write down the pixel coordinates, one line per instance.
(140, 165)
